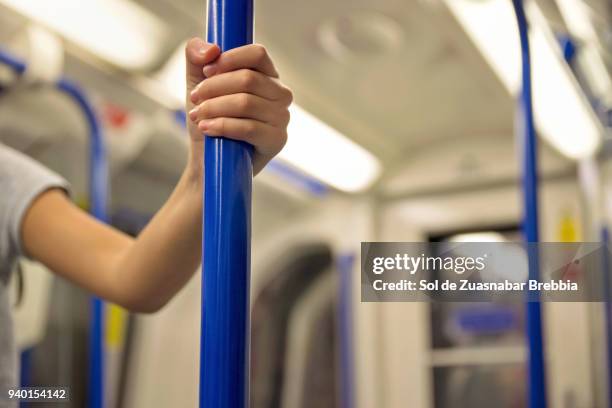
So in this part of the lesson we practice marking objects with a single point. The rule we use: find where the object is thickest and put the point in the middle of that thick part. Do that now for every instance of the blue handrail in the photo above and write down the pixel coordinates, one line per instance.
(605, 240)
(98, 194)
(228, 172)
(98, 197)
(536, 369)
(345, 266)
(18, 66)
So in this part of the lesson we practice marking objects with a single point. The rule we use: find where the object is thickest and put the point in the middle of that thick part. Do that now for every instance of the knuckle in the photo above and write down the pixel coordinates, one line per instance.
(288, 95)
(261, 53)
(248, 79)
(285, 117)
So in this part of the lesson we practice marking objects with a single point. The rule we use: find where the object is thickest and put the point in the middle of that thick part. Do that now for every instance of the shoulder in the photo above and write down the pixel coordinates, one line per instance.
(22, 180)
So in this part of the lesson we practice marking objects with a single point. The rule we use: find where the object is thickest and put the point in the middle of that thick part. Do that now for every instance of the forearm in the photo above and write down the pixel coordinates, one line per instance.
(156, 265)
(140, 274)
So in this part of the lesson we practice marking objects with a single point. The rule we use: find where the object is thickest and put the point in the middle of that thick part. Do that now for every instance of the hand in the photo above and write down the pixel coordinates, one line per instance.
(236, 94)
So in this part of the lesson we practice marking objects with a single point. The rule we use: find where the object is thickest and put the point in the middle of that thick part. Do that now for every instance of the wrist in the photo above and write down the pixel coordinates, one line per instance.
(193, 174)
(194, 170)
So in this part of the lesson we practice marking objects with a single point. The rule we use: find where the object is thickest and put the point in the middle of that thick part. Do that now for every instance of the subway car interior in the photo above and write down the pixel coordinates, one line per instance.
(405, 127)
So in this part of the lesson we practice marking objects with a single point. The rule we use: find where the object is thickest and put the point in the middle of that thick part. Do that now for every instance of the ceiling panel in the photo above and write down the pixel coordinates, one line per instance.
(430, 84)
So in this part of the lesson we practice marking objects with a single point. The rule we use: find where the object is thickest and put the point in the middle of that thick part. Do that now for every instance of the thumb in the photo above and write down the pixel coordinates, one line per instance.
(197, 54)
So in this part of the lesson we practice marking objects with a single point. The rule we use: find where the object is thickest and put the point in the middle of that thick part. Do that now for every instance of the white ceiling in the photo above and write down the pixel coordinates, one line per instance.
(432, 84)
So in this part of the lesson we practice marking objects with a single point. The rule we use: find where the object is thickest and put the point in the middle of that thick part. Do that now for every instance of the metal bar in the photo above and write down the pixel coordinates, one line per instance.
(345, 266)
(98, 197)
(589, 170)
(605, 241)
(228, 172)
(536, 393)
(15, 64)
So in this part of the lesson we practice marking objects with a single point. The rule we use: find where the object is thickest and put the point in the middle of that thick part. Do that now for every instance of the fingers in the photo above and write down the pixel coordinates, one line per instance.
(253, 56)
(267, 139)
(197, 54)
(241, 105)
(237, 94)
(241, 81)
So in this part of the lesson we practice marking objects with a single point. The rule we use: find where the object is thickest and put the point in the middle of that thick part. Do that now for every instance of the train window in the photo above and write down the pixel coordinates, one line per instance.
(480, 386)
(477, 348)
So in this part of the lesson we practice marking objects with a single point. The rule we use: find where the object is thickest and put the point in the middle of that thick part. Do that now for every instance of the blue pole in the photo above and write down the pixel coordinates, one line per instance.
(98, 196)
(228, 172)
(25, 379)
(346, 319)
(18, 66)
(605, 240)
(536, 393)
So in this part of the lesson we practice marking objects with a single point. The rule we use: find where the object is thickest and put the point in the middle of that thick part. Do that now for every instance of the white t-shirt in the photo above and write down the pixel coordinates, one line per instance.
(21, 181)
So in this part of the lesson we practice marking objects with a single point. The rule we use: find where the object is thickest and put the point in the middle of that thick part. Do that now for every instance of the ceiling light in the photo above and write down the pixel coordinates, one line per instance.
(580, 26)
(118, 31)
(577, 19)
(324, 153)
(485, 236)
(563, 115)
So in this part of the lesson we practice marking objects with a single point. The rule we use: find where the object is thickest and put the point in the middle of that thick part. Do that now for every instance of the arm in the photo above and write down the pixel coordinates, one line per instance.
(242, 100)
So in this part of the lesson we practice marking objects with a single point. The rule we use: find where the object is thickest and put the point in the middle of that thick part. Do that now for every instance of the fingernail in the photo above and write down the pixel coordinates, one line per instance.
(193, 96)
(209, 70)
(202, 50)
(205, 125)
(193, 114)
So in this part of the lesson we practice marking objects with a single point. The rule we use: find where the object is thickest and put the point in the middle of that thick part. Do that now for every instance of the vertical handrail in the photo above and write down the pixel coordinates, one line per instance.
(346, 318)
(536, 369)
(600, 220)
(228, 172)
(605, 241)
(98, 197)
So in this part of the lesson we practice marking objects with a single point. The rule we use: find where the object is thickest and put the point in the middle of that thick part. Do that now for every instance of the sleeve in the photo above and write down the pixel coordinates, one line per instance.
(22, 179)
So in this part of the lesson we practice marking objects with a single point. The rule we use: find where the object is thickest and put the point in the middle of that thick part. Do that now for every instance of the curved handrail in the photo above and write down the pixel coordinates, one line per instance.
(98, 193)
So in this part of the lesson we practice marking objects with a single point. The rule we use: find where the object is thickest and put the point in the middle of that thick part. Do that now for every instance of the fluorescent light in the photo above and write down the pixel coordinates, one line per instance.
(119, 31)
(594, 68)
(485, 236)
(562, 114)
(577, 19)
(580, 26)
(491, 26)
(324, 153)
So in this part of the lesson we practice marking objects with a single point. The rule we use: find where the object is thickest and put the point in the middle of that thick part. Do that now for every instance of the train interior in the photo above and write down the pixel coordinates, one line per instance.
(403, 129)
